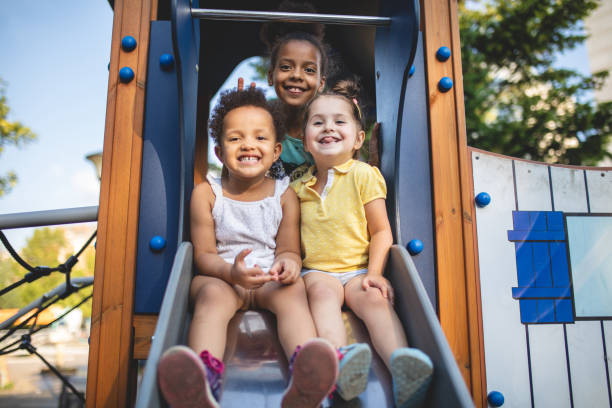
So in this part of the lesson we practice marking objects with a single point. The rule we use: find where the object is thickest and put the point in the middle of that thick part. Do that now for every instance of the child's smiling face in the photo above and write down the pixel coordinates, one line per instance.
(296, 75)
(332, 134)
(248, 144)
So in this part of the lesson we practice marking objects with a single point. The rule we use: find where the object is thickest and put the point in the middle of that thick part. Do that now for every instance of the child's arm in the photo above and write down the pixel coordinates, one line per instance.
(205, 256)
(288, 262)
(381, 240)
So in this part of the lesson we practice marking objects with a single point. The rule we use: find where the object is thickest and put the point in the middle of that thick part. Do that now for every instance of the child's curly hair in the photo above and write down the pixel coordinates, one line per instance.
(233, 99)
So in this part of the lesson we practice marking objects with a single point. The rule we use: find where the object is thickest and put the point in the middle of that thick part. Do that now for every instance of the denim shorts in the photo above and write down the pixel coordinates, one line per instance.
(343, 277)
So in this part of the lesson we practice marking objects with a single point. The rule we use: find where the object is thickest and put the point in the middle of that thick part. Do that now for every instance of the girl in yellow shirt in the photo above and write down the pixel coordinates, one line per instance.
(346, 238)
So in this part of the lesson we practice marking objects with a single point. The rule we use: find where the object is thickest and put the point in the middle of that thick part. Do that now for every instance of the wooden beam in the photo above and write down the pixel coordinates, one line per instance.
(144, 327)
(111, 370)
(458, 294)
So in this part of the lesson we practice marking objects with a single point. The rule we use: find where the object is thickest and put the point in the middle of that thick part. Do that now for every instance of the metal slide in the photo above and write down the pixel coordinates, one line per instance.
(256, 369)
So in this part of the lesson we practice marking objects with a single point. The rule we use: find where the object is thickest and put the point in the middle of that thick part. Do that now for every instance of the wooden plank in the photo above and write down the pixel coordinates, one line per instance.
(446, 140)
(110, 369)
(507, 368)
(144, 327)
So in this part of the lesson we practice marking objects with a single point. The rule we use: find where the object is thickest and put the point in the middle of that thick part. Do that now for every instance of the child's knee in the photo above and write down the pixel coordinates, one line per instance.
(212, 292)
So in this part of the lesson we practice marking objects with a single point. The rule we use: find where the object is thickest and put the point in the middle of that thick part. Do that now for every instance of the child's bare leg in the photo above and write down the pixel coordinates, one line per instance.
(290, 305)
(384, 327)
(215, 303)
(325, 297)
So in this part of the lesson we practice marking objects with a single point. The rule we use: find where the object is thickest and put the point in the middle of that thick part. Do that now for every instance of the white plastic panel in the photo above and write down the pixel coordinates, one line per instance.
(569, 191)
(585, 349)
(549, 366)
(504, 335)
(600, 190)
(532, 186)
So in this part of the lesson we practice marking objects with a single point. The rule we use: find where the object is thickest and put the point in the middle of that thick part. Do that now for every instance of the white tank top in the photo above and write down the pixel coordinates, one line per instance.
(247, 224)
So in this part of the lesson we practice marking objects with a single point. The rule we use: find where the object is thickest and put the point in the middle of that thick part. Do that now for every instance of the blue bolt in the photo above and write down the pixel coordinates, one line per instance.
(412, 69)
(415, 246)
(157, 243)
(482, 199)
(445, 84)
(128, 43)
(166, 62)
(495, 398)
(443, 54)
(126, 74)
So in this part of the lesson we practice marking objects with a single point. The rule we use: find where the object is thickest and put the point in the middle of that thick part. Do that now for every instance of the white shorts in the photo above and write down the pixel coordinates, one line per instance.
(343, 277)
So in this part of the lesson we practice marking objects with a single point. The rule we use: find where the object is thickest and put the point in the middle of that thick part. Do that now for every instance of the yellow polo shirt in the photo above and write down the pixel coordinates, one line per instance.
(334, 228)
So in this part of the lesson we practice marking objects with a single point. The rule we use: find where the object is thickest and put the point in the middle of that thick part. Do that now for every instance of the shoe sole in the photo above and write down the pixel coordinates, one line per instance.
(353, 374)
(411, 371)
(181, 376)
(314, 375)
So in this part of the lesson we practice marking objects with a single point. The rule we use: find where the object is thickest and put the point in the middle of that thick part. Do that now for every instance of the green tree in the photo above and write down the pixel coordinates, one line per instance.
(46, 247)
(516, 102)
(11, 133)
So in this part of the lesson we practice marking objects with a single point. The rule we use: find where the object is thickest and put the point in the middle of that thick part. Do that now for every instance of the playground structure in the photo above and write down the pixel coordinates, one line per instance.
(502, 325)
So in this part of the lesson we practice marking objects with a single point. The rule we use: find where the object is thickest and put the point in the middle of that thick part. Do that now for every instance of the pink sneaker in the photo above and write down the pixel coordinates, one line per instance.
(313, 370)
(183, 379)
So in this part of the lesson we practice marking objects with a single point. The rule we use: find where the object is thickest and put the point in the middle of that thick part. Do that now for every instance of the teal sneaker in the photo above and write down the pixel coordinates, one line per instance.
(411, 371)
(355, 360)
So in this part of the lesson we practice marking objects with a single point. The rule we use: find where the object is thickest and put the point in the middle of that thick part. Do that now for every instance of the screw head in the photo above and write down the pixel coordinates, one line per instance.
(157, 243)
(443, 53)
(495, 399)
(166, 62)
(126, 74)
(445, 84)
(415, 246)
(412, 70)
(128, 43)
(482, 199)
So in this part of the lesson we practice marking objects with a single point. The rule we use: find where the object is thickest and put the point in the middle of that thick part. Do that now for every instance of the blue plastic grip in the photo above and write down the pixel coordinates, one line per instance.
(482, 199)
(128, 43)
(443, 53)
(495, 399)
(445, 84)
(126, 74)
(157, 243)
(166, 62)
(415, 246)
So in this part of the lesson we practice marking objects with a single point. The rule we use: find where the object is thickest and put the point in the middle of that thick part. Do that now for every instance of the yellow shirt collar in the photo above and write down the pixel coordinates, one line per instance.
(341, 168)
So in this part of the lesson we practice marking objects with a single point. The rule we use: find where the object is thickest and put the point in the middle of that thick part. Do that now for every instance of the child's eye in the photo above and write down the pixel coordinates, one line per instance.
(340, 122)
(310, 70)
(262, 138)
(317, 123)
(284, 67)
(232, 139)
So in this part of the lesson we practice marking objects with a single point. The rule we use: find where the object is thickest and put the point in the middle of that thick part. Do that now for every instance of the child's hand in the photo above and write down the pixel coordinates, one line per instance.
(287, 270)
(241, 84)
(248, 278)
(379, 282)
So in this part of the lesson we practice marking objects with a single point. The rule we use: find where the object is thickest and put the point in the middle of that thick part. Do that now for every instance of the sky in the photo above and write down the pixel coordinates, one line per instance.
(54, 62)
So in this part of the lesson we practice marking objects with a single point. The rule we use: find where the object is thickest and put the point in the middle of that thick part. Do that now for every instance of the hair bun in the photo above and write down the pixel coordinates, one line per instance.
(347, 87)
(271, 32)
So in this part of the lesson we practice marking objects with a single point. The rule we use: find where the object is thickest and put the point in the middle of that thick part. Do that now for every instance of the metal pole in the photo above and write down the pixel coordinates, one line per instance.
(243, 15)
(49, 217)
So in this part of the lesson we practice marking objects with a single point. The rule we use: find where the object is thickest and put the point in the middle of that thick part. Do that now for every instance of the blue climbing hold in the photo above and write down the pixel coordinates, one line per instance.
(126, 74)
(412, 69)
(445, 84)
(482, 199)
(415, 246)
(166, 62)
(157, 243)
(128, 43)
(443, 53)
(495, 398)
